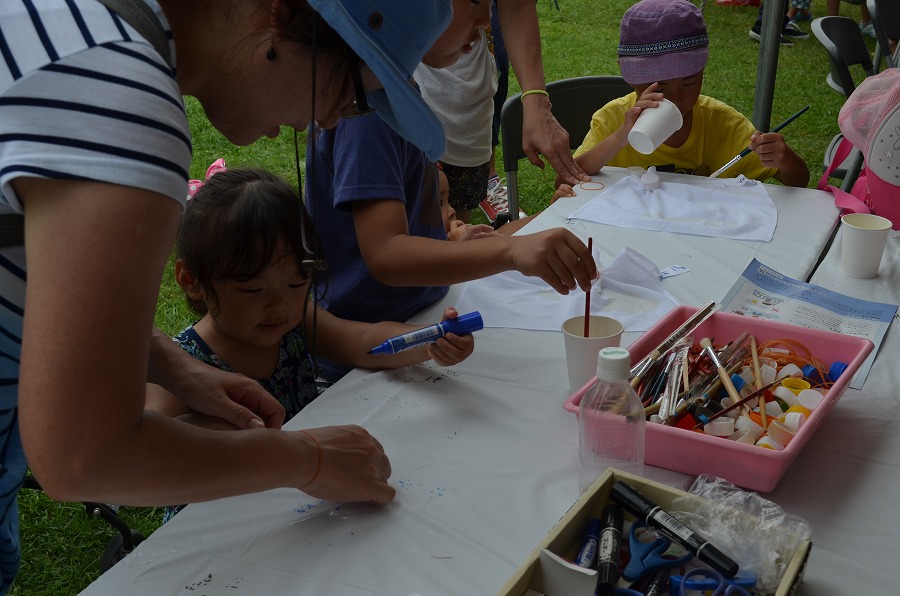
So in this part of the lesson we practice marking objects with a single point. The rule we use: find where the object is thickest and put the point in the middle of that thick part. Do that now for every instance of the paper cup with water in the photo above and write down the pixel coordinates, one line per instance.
(863, 237)
(654, 126)
(581, 351)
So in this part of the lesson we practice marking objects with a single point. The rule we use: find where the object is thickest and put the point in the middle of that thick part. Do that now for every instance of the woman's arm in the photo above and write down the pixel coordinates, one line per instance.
(95, 254)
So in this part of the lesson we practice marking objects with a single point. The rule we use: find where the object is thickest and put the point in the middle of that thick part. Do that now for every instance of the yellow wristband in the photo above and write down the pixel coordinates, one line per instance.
(535, 92)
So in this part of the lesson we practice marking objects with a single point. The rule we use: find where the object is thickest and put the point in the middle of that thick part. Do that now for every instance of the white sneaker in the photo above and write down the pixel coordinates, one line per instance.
(496, 202)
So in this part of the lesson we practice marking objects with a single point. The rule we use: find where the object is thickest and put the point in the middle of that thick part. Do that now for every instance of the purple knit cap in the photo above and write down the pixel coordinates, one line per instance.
(661, 40)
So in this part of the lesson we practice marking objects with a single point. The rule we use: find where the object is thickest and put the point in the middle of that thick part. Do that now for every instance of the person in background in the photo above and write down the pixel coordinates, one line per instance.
(461, 95)
(712, 132)
(374, 198)
(790, 31)
(95, 150)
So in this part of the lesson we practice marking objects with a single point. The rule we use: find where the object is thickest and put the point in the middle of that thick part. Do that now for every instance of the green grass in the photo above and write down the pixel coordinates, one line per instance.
(62, 546)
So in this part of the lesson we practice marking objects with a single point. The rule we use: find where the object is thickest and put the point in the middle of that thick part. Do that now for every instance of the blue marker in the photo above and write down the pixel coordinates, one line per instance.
(461, 325)
(587, 554)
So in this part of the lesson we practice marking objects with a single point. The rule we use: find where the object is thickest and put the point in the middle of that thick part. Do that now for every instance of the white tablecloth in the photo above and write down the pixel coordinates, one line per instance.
(485, 460)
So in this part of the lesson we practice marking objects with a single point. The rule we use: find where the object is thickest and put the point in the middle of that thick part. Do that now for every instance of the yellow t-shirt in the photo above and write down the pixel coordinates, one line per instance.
(718, 133)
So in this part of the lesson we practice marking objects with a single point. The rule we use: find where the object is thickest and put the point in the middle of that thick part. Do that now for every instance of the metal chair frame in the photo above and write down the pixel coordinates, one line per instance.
(574, 102)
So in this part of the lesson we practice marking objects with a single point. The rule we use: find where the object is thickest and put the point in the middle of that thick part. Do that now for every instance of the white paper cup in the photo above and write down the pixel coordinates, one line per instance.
(581, 351)
(863, 237)
(654, 126)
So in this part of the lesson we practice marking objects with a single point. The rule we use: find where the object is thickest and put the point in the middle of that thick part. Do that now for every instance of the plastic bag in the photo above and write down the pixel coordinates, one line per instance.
(755, 532)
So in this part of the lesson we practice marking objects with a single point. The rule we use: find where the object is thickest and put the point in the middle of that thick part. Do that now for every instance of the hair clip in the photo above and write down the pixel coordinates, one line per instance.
(213, 169)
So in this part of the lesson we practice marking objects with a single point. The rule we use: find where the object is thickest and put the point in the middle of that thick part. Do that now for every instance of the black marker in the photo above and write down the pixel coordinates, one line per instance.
(659, 582)
(608, 553)
(646, 510)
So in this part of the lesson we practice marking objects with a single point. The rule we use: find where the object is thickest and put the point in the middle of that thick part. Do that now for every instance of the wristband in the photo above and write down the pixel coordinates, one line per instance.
(318, 461)
(535, 92)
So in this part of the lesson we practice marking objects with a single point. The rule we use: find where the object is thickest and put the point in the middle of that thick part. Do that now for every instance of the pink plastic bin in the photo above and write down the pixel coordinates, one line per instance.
(748, 466)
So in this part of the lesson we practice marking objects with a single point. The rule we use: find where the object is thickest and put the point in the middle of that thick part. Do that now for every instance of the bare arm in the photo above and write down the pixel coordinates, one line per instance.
(203, 388)
(775, 153)
(541, 132)
(348, 342)
(395, 258)
(95, 258)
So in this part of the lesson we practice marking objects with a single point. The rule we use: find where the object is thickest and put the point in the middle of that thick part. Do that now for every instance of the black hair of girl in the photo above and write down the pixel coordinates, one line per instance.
(233, 225)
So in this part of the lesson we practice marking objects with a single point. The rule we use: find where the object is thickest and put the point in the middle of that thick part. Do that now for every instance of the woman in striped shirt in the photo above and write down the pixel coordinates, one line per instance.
(95, 151)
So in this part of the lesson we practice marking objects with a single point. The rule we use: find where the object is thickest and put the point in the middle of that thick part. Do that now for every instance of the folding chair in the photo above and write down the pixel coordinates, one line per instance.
(885, 15)
(120, 544)
(574, 102)
(846, 48)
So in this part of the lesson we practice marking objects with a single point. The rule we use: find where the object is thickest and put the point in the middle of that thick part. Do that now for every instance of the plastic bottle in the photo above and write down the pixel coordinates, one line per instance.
(611, 421)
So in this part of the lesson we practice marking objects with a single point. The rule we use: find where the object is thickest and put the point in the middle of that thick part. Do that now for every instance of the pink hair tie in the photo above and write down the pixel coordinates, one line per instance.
(214, 168)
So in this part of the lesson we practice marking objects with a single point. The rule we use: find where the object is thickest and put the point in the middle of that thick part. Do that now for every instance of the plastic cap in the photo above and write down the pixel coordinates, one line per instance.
(836, 370)
(650, 180)
(613, 364)
(467, 323)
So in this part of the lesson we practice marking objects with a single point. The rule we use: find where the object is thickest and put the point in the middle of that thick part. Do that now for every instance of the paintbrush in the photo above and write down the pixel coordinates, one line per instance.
(587, 299)
(685, 328)
(706, 344)
(747, 151)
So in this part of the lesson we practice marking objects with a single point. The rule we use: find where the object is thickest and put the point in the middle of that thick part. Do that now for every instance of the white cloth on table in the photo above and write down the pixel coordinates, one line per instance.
(735, 208)
(629, 289)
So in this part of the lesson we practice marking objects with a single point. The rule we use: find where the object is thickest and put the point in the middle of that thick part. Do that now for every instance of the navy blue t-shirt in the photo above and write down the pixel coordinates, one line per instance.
(363, 159)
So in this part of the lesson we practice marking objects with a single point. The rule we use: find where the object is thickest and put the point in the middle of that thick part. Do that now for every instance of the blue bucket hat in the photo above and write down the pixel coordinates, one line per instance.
(391, 37)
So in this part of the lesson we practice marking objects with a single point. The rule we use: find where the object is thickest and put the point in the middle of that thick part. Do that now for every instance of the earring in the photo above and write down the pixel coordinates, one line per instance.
(270, 54)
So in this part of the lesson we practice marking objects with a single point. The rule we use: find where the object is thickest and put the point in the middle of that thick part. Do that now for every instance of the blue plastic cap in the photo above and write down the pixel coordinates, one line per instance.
(836, 370)
(464, 324)
(811, 373)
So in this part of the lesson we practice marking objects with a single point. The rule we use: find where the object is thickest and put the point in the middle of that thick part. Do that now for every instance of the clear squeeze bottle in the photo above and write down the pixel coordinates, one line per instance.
(611, 421)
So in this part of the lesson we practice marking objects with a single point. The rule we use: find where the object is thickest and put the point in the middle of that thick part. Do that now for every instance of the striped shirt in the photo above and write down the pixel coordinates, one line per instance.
(82, 96)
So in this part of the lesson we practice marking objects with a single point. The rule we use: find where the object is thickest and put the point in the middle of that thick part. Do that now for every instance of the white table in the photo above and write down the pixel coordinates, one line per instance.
(485, 461)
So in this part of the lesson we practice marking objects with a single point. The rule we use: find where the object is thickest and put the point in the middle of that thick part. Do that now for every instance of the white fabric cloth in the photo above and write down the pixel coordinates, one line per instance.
(462, 97)
(735, 208)
(629, 290)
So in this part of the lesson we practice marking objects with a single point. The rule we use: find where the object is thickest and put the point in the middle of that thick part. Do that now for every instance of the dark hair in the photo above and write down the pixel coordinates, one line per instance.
(300, 23)
(233, 225)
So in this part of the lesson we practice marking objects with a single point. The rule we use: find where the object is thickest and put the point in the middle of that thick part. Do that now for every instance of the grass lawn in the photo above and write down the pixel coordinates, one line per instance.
(62, 545)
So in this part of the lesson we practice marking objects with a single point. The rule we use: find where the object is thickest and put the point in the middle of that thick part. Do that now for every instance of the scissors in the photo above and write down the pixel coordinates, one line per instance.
(648, 552)
(709, 581)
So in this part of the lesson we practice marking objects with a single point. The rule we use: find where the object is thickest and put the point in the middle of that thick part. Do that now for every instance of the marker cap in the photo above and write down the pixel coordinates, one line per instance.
(467, 323)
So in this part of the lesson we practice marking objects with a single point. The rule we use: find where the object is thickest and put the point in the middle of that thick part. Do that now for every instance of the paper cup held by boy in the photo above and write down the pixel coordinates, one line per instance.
(863, 237)
(654, 126)
(581, 351)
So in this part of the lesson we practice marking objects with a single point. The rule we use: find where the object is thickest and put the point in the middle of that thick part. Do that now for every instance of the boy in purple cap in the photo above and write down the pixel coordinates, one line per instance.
(663, 49)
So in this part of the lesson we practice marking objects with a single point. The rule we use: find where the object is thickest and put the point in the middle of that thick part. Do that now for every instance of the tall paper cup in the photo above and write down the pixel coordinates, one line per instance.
(655, 125)
(582, 352)
(863, 237)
